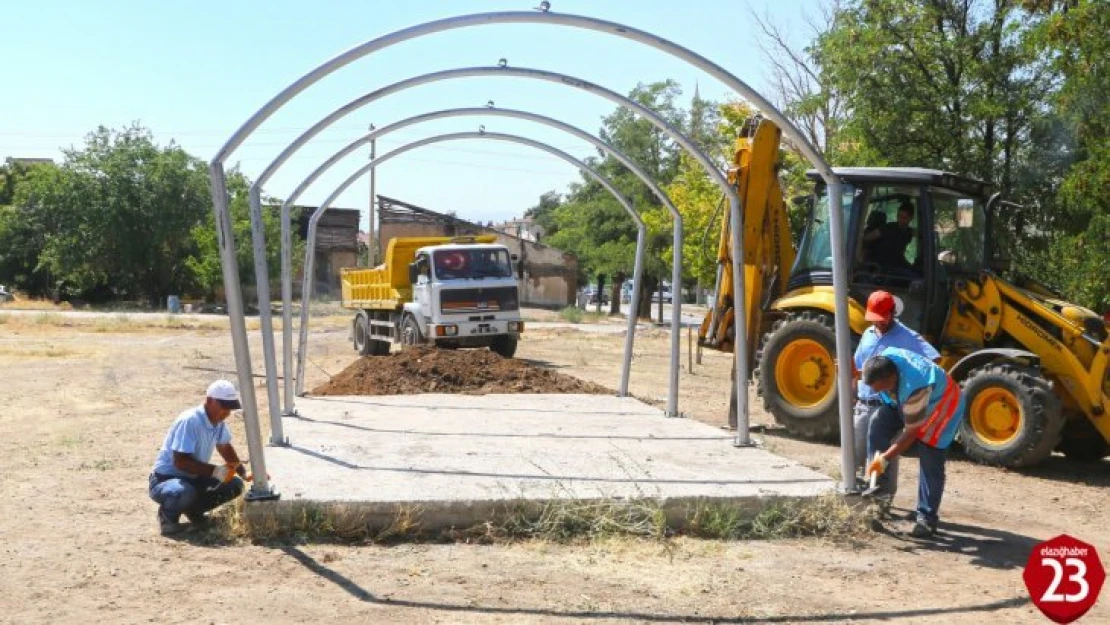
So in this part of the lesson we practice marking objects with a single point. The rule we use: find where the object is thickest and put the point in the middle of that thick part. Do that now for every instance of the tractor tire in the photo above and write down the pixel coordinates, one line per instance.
(796, 375)
(410, 333)
(364, 345)
(1082, 442)
(1013, 419)
(504, 345)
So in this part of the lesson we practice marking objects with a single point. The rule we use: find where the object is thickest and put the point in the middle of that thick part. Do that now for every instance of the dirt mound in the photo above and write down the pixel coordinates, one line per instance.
(465, 371)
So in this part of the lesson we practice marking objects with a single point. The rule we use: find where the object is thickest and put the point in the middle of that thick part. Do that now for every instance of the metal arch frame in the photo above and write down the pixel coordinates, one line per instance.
(287, 295)
(262, 268)
(307, 283)
(843, 346)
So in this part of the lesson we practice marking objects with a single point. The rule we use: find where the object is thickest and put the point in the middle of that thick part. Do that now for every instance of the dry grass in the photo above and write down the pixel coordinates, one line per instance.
(562, 521)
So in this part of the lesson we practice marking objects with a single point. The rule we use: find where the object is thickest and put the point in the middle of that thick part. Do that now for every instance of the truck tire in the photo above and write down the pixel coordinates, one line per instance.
(1082, 442)
(410, 332)
(504, 345)
(1013, 419)
(796, 375)
(364, 345)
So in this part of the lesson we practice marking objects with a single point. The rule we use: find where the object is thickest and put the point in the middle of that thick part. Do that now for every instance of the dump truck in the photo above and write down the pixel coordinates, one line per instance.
(1033, 366)
(450, 292)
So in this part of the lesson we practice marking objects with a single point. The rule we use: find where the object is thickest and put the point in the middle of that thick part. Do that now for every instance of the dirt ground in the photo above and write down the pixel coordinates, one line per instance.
(89, 400)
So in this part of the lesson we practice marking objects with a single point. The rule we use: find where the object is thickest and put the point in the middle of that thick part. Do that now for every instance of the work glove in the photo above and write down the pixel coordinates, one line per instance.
(878, 465)
(225, 473)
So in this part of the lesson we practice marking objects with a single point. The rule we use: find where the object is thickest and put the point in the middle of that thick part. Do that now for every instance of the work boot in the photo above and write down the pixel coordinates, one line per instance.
(921, 529)
(168, 526)
(199, 520)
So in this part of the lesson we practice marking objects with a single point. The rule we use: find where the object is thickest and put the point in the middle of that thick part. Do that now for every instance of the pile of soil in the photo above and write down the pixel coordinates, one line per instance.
(465, 371)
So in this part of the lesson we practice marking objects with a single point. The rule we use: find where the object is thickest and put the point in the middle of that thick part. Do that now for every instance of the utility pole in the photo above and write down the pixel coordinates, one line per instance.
(371, 243)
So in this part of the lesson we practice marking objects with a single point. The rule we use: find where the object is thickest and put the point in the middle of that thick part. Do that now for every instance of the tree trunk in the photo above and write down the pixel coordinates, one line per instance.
(615, 296)
(600, 290)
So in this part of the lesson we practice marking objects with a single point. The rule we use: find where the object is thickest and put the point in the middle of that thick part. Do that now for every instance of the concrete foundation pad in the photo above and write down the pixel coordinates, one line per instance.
(462, 460)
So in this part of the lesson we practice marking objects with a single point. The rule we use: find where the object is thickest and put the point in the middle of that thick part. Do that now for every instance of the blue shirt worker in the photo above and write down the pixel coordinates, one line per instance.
(885, 331)
(928, 407)
(182, 480)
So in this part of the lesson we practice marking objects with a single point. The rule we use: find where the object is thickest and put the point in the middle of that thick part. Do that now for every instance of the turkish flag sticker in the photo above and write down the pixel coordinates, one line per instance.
(1064, 576)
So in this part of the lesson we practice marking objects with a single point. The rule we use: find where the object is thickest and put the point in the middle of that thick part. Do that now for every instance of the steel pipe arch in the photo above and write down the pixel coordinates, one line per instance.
(230, 263)
(289, 374)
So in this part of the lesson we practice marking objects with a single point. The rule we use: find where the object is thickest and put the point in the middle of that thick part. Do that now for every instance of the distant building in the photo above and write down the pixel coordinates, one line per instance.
(525, 228)
(337, 245)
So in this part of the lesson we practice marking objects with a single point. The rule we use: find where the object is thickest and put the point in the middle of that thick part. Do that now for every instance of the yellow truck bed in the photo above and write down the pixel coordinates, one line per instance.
(387, 287)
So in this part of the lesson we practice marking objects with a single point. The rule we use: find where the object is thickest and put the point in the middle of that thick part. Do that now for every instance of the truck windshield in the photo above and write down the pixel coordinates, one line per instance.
(816, 248)
(472, 264)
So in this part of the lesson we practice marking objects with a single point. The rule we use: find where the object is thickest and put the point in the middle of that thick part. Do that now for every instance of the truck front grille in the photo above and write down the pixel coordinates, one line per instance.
(495, 299)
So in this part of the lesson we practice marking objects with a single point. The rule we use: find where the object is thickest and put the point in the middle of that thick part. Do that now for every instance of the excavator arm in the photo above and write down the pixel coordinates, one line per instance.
(768, 247)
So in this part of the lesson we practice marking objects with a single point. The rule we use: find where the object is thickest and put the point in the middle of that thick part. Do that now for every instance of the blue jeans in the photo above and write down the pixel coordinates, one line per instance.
(191, 496)
(886, 425)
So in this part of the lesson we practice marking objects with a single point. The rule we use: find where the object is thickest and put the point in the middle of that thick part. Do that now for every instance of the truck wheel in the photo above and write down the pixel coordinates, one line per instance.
(504, 345)
(1082, 442)
(1013, 418)
(796, 375)
(364, 345)
(410, 332)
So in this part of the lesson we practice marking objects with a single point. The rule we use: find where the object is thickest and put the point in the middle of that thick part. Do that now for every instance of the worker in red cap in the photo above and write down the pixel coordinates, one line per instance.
(885, 331)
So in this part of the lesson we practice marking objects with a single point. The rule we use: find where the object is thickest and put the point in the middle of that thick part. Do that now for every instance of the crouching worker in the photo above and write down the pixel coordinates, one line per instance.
(183, 482)
(925, 407)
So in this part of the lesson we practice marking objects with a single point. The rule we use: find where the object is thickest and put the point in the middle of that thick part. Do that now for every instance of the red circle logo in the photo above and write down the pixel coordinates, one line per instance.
(1064, 576)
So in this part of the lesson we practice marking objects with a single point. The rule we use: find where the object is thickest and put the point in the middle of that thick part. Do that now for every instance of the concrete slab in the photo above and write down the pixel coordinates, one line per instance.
(458, 459)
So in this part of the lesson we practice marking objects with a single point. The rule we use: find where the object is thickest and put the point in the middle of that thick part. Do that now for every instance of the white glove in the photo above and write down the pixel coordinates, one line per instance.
(220, 473)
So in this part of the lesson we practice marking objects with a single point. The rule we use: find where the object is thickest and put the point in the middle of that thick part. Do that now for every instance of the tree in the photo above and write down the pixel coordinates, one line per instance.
(1077, 256)
(121, 217)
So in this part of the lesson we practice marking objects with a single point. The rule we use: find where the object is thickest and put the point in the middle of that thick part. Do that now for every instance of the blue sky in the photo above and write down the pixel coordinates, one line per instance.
(193, 72)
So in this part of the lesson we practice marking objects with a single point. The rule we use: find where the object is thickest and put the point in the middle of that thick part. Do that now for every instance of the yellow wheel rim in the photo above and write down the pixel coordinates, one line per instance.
(996, 416)
(805, 373)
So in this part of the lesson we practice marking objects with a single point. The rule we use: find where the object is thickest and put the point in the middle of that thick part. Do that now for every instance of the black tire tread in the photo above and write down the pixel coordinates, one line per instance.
(1044, 420)
(825, 424)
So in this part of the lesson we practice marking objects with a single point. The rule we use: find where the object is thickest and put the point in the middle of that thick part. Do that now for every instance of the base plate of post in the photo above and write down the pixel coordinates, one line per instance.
(252, 495)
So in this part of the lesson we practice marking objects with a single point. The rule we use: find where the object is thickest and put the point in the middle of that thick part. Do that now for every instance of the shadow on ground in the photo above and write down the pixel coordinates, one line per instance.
(358, 592)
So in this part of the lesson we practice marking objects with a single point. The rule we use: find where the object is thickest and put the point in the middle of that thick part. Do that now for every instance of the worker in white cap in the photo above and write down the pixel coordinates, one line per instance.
(182, 480)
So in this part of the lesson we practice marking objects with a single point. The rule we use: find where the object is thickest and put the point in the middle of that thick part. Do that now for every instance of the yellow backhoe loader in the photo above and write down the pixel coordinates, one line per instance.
(1034, 367)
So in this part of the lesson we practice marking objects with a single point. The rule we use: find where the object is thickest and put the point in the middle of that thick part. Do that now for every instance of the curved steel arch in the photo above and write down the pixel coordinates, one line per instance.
(230, 263)
(287, 287)
(261, 266)
(496, 136)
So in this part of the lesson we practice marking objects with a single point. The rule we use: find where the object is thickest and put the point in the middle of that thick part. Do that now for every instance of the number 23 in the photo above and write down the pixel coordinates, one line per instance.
(1080, 577)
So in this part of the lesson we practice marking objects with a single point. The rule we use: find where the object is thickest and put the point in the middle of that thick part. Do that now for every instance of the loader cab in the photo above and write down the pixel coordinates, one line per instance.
(908, 231)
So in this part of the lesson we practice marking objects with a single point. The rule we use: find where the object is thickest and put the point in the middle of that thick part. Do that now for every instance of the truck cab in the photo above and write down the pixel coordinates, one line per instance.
(464, 295)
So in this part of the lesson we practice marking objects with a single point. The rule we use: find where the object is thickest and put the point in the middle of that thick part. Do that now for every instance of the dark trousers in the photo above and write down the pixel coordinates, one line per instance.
(191, 496)
(886, 425)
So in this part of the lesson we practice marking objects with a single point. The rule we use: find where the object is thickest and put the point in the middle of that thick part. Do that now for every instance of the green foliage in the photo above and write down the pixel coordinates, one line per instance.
(120, 218)
(205, 264)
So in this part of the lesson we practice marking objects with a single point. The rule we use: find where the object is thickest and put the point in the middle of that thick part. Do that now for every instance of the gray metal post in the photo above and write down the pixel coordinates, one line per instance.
(311, 243)
(633, 310)
(287, 309)
(262, 283)
(225, 237)
(844, 360)
(672, 397)
(843, 339)
(740, 341)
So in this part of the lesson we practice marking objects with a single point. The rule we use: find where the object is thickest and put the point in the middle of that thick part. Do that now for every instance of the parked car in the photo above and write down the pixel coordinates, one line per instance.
(5, 294)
